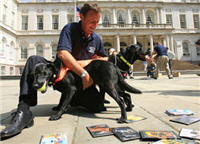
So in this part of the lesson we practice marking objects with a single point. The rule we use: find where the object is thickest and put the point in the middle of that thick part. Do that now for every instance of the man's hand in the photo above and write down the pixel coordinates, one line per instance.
(87, 81)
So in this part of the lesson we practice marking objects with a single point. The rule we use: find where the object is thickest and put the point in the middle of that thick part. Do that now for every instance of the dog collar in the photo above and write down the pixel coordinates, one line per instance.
(125, 61)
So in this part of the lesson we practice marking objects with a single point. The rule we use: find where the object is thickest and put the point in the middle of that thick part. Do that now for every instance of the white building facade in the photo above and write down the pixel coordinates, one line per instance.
(33, 28)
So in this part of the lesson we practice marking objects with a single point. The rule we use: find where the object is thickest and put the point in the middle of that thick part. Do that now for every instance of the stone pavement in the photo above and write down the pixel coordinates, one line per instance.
(158, 95)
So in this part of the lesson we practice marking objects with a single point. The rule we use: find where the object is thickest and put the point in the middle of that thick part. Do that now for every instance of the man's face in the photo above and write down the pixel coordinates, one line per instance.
(90, 22)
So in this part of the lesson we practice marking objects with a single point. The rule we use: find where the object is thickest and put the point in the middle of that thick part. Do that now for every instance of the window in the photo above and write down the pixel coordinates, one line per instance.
(70, 18)
(11, 70)
(135, 19)
(186, 49)
(106, 22)
(24, 22)
(3, 70)
(196, 21)
(54, 50)
(55, 22)
(120, 20)
(11, 49)
(106, 17)
(4, 13)
(198, 50)
(39, 50)
(123, 44)
(169, 19)
(149, 19)
(182, 21)
(21, 69)
(40, 22)
(13, 20)
(24, 54)
(3, 47)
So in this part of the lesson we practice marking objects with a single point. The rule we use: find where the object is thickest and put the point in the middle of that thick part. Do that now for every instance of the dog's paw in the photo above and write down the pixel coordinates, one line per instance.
(54, 117)
(122, 120)
(129, 108)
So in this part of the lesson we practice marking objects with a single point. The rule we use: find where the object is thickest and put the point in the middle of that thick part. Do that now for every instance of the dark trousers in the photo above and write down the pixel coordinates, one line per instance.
(90, 98)
(170, 65)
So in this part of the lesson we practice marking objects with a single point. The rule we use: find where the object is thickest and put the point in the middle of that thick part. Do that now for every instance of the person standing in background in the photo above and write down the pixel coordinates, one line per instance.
(162, 59)
(171, 56)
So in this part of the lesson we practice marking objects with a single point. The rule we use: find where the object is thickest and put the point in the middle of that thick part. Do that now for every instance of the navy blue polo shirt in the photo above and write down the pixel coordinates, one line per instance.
(160, 50)
(73, 40)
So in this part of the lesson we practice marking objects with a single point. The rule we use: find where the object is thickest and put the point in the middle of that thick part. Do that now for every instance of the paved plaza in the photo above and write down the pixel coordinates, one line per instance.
(158, 95)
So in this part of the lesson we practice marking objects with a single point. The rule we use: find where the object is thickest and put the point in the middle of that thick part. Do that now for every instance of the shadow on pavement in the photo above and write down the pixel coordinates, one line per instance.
(193, 93)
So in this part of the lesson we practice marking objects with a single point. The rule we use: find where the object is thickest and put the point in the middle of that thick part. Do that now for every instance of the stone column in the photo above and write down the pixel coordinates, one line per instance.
(171, 43)
(158, 16)
(167, 41)
(143, 16)
(151, 42)
(47, 52)
(134, 39)
(114, 16)
(118, 42)
(31, 50)
(129, 16)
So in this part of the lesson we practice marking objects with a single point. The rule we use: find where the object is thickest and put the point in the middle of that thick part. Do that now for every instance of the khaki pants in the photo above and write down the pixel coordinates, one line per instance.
(162, 61)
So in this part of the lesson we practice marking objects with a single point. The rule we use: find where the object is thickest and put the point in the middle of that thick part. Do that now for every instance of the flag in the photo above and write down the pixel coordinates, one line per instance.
(78, 11)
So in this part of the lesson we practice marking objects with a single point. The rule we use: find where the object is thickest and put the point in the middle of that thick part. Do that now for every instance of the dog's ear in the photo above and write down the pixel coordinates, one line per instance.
(51, 66)
(123, 50)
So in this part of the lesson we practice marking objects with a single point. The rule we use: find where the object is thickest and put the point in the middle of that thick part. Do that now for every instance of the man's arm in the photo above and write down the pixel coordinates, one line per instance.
(71, 63)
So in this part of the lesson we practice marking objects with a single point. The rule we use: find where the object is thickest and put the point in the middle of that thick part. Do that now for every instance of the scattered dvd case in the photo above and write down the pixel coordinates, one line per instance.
(190, 133)
(54, 139)
(135, 118)
(156, 135)
(187, 120)
(125, 133)
(178, 112)
(175, 141)
(99, 130)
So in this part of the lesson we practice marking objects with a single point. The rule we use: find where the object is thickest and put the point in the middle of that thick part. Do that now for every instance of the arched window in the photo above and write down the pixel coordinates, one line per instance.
(54, 50)
(123, 44)
(107, 46)
(198, 50)
(3, 47)
(24, 53)
(121, 18)
(149, 17)
(135, 17)
(39, 50)
(106, 18)
(186, 49)
(11, 50)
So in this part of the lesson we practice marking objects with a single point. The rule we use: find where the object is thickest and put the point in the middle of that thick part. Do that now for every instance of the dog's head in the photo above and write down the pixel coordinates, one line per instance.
(133, 52)
(42, 75)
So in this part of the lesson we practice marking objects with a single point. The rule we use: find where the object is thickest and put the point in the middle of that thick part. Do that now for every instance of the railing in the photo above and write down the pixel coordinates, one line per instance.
(136, 26)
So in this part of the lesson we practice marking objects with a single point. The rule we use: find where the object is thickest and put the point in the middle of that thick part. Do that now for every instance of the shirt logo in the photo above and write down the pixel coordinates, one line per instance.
(91, 49)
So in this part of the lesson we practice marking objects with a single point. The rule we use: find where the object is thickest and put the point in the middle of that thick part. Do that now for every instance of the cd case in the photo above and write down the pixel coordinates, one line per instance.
(125, 133)
(54, 139)
(187, 120)
(99, 130)
(156, 135)
(190, 133)
(178, 112)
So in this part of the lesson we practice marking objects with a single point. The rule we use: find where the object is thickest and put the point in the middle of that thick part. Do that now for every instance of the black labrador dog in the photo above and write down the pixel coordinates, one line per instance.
(123, 60)
(104, 74)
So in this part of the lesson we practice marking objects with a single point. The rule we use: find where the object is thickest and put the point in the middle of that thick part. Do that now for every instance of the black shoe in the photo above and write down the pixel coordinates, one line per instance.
(106, 101)
(170, 77)
(20, 120)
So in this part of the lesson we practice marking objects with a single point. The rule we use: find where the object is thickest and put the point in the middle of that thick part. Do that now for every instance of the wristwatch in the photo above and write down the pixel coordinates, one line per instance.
(84, 73)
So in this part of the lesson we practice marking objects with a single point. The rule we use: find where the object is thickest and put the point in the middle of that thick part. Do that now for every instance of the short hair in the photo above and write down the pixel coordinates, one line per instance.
(197, 42)
(87, 7)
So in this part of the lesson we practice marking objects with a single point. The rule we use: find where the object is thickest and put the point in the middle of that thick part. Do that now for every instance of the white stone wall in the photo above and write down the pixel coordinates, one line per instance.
(172, 37)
